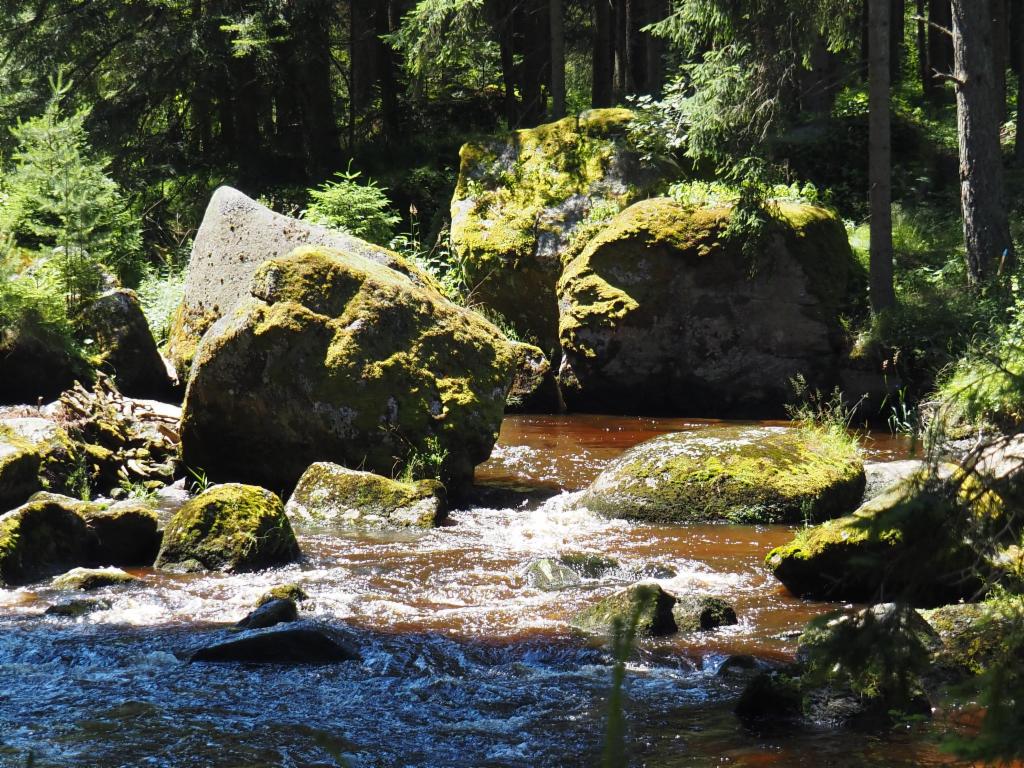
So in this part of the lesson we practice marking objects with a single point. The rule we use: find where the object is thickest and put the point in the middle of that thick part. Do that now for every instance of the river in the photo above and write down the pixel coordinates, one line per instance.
(462, 663)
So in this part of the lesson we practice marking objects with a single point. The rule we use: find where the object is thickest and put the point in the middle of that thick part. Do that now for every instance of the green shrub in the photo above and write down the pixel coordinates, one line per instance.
(161, 291)
(359, 209)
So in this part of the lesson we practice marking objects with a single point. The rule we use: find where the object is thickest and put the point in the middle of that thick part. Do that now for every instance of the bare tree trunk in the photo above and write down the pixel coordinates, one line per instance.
(923, 69)
(655, 48)
(557, 22)
(620, 31)
(982, 194)
(1000, 51)
(897, 29)
(601, 90)
(883, 295)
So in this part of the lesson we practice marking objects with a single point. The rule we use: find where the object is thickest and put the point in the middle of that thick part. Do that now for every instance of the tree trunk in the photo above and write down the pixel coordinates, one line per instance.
(940, 47)
(982, 194)
(620, 31)
(557, 21)
(883, 296)
(923, 71)
(655, 49)
(601, 88)
(1000, 48)
(1018, 144)
(897, 30)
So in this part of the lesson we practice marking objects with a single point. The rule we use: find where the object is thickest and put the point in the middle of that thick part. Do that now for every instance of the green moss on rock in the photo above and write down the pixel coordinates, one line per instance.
(231, 528)
(43, 537)
(667, 310)
(646, 604)
(520, 199)
(88, 579)
(732, 474)
(700, 613)
(126, 534)
(329, 495)
(338, 358)
(907, 542)
(283, 592)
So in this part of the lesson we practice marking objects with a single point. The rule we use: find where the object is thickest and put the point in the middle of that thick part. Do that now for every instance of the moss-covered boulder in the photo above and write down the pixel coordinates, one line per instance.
(732, 474)
(126, 533)
(521, 199)
(647, 604)
(664, 311)
(88, 579)
(329, 495)
(974, 635)
(237, 235)
(38, 362)
(270, 613)
(24, 443)
(908, 542)
(118, 336)
(700, 613)
(292, 592)
(335, 357)
(550, 574)
(229, 528)
(43, 537)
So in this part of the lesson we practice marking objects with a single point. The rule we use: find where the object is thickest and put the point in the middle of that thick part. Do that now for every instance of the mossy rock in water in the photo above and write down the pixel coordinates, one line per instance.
(338, 358)
(237, 235)
(550, 574)
(329, 495)
(732, 474)
(291, 592)
(523, 199)
(699, 613)
(666, 311)
(43, 537)
(229, 528)
(974, 635)
(126, 533)
(908, 542)
(88, 579)
(647, 604)
(589, 565)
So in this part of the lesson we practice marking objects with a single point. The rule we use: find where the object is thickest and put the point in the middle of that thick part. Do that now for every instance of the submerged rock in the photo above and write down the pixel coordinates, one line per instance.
(292, 592)
(648, 604)
(331, 495)
(906, 542)
(268, 614)
(88, 579)
(296, 644)
(731, 474)
(338, 358)
(73, 609)
(699, 613)
(589, 565)
(521, 200)
(229, 528)
(43, 537)
(237, 235)
(550, 574)
(662, 312)
(118, 331)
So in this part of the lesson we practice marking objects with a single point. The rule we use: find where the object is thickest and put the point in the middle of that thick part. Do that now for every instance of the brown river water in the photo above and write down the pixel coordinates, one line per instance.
(462, 663)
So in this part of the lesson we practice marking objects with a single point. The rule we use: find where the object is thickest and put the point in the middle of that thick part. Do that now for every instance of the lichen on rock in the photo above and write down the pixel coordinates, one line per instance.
(331, 496)
(335, 357)
(665, 310)
(520, 199)
(230, 528)
(732, 474)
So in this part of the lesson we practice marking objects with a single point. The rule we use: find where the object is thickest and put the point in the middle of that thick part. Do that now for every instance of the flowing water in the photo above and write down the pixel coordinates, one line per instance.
(462, 664)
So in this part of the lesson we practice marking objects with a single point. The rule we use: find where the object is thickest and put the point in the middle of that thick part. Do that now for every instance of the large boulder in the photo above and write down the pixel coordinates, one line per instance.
(126, 533)
(231, 528)
(732, 474)
(88, 579)
(665, 311)
(908, 542)
(298, 643)
(37, 363)
(335, 357)
(43, 537)
(329, 495)
(236, 237)
(116, 328)
(522, 199)
(24, 442)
